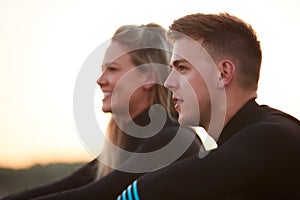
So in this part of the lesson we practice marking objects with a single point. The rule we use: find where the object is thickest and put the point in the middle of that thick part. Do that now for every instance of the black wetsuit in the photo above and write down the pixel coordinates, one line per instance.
(258, 158)
(82, 184)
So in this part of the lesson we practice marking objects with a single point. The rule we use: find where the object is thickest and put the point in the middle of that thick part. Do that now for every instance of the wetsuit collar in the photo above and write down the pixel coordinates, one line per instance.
(247, 115)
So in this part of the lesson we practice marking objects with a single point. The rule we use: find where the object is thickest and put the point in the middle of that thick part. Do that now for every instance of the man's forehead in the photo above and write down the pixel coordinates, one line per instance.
(176, 58)
(181, 45)
(187, 49)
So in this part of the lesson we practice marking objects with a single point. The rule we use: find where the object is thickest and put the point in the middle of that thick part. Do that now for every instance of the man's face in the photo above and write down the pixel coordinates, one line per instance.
(192, 79)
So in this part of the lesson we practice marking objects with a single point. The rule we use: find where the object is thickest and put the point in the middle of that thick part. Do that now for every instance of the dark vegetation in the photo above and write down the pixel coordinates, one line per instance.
(18, 180)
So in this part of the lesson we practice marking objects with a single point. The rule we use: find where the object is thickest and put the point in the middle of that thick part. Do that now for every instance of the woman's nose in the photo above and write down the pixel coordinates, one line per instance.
(101, 80)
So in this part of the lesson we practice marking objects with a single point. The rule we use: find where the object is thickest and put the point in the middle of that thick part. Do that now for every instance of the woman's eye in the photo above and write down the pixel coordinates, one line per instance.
(112, 68)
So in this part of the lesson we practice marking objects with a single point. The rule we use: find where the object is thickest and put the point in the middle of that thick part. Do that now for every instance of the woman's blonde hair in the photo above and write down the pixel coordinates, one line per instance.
(147, 44)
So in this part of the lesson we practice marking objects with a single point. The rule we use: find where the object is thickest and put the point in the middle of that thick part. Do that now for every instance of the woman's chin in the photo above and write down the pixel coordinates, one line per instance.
(106, 110)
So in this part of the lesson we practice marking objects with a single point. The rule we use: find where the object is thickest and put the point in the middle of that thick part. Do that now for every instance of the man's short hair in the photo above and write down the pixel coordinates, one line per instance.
(224, 37)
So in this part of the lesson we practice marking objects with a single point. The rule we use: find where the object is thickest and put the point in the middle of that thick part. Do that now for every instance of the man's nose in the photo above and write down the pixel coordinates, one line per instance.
(170, 82)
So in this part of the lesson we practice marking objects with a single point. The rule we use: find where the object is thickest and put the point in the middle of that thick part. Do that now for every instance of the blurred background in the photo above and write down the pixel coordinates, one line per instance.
(43, 44)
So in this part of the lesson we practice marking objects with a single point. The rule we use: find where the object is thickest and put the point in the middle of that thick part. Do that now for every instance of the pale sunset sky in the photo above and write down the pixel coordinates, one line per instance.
(44, 43)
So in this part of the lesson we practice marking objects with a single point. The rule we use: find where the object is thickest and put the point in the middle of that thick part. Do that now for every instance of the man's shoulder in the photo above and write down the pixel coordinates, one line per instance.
(273, 125)
(278, 115)
(278, 119)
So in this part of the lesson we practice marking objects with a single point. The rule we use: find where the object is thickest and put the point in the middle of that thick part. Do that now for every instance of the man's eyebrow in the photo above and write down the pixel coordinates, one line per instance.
(177, 62)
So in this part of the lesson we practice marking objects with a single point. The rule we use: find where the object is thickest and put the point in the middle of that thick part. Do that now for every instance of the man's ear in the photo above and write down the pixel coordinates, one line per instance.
(150, 81)
(227, 69)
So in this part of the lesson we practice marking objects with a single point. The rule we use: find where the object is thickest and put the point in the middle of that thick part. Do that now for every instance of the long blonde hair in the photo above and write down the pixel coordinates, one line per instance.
(149, 46)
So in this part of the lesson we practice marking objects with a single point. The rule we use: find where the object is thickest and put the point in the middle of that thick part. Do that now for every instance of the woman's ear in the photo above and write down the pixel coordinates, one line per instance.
(227, 69)
(150, 81)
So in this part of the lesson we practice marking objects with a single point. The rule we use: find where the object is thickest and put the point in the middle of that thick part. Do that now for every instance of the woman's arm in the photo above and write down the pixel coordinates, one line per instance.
(109, 186)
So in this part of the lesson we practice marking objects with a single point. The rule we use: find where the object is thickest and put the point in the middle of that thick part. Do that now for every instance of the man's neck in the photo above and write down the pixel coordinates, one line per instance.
(236, 101)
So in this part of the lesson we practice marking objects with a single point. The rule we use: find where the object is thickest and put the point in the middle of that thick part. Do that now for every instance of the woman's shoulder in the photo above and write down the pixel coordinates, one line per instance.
(173, 132)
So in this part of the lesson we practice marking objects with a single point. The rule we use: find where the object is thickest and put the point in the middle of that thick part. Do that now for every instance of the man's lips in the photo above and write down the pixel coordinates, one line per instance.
(177, 102)
(177, 99)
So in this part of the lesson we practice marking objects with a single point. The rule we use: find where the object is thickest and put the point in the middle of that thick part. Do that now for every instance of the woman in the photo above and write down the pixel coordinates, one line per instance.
(134, 69)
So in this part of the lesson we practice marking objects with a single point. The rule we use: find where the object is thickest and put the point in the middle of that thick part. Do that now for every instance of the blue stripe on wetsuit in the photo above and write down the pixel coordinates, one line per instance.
(135, 191)
(131, 192)
(124, 195)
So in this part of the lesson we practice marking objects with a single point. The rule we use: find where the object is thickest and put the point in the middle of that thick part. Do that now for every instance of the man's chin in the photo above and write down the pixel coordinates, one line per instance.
(182, 120)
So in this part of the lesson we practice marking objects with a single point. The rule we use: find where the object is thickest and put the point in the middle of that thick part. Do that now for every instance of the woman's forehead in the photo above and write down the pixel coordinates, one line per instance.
(114, 52)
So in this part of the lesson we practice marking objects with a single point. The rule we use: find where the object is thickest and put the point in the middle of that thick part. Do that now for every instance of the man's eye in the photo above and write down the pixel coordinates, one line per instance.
(181, 68)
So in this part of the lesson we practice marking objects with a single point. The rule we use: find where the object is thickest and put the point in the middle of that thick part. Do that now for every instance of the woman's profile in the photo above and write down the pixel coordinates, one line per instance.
(131, 72)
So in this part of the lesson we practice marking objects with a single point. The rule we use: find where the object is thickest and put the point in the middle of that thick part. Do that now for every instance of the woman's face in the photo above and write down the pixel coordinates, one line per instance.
(122, 83)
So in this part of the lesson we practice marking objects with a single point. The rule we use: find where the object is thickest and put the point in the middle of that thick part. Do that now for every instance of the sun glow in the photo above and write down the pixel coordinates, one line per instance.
(44, 44)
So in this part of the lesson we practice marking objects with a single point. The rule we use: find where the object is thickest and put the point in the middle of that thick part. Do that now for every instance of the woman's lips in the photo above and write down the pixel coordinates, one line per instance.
(106, 95)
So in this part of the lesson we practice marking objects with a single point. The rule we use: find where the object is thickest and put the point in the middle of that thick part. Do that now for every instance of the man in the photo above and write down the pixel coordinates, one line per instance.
(258, 154)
